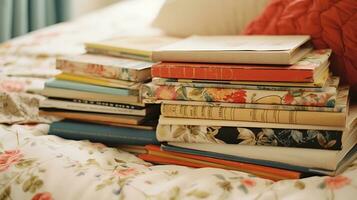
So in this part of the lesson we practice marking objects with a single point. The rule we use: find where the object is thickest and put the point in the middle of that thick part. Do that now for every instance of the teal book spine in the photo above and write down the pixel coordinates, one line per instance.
(89, 88)
(102, 133)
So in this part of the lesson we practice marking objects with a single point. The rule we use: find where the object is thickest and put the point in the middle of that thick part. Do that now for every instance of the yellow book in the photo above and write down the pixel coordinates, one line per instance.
(140, 47)
(99, 81)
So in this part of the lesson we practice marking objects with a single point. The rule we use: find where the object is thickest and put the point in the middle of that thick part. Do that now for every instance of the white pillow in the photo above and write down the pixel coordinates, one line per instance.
(207, 17)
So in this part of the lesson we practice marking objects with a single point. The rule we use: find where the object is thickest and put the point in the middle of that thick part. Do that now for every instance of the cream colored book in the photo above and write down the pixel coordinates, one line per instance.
(136, 47)
(284, 50)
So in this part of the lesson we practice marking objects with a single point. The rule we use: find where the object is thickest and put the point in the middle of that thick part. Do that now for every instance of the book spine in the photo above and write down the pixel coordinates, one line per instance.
(156, 92)
(90, 107)
(302, 138)
(97, 70)
(102, 133)
(89, 88)
(254, 115)
(231, 73)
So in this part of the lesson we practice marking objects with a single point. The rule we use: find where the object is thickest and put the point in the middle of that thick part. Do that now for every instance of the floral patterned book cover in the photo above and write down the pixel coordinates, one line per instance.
(300, 138)
(105, 67)
(330, 85)
(186, 93)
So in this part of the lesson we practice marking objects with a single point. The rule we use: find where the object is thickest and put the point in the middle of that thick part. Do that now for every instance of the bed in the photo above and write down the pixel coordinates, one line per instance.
(34, 165)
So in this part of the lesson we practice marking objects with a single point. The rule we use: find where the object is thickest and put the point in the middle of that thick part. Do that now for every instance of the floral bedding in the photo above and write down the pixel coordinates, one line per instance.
(34, 165)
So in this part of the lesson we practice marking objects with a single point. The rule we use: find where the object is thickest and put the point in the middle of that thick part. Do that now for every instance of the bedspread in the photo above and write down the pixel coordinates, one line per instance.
(34, 165)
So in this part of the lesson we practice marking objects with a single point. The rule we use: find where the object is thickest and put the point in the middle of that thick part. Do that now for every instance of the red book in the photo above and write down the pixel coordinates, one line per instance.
(309, 69)
(157, 155)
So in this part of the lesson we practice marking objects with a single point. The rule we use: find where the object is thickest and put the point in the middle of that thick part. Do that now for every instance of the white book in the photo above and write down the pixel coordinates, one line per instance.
(67, 105)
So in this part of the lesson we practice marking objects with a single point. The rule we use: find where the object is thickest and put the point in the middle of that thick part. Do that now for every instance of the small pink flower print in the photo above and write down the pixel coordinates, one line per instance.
(168, 93)
(337, 182)
(12, 86)
(248, 182)
(237, 97)
(125, 172)
(8, 158)
(42, 196)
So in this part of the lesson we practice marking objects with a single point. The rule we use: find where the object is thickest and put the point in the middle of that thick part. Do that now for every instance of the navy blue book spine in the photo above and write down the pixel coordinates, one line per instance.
(102, 133)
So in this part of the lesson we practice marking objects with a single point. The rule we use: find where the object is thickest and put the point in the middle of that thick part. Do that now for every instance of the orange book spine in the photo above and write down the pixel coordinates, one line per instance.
(230, 72)
(274, 172)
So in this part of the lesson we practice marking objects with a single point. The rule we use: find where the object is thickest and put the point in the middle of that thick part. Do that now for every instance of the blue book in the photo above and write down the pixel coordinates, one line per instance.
(102, 133)
(55, 83)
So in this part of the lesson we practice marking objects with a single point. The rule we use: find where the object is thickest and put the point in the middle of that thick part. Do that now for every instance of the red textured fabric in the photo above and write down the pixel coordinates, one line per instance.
(331, 24)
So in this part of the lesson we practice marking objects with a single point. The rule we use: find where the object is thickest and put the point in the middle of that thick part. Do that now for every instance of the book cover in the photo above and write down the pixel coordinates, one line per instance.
(75, 106)
(55, 83)
(240, 135)
(236, 49)
(265, 172)
(96, 117)
(306, 70)
(102, 133)
(90, 96)
(340, 106)
(254, 114)
(227, 95)
(331, 84)
(135, 47)
(106, 67)
(99, 81)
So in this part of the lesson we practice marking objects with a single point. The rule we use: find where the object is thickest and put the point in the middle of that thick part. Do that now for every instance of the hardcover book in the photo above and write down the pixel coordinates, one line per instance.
(105, 66)
(70, 85)
(236, 49)
(106, 82)
(254, 114)
(75, 106)
(228, 95)
(102, 133)
(90, 96)
(340, 106)
(308, 69)
(139, 48)
(299, 138)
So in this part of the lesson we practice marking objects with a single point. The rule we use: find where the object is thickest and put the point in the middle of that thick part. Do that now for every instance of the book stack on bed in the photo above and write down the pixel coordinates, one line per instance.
(98, 93)
(261, 104)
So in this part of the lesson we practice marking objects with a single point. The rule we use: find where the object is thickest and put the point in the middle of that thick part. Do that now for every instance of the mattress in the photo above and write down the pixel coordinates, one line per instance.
(34, 165)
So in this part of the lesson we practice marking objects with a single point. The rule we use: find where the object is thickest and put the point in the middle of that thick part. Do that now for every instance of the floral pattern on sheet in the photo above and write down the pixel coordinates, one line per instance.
(316, 139)
(154, 92)
(34, 166)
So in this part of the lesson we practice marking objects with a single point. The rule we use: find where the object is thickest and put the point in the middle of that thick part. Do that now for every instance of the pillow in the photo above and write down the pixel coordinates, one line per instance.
(332, 24)
(207, 17)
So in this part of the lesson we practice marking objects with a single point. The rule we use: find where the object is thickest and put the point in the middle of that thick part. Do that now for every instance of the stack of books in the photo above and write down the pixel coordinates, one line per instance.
(98, 93)
(261, 104)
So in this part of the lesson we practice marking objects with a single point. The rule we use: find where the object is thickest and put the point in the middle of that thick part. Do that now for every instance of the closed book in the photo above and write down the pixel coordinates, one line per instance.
(254, 115)
(331, 84)
(157, 155)
(236, 49)
(102, 133)
(90, 96)
(240, 135)
(106, 82)
(340, 106)
(229, 95)
(55, 83)
(105, 66)
(75, 106)
(134, 47)
(96, 117)
(308, 69)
